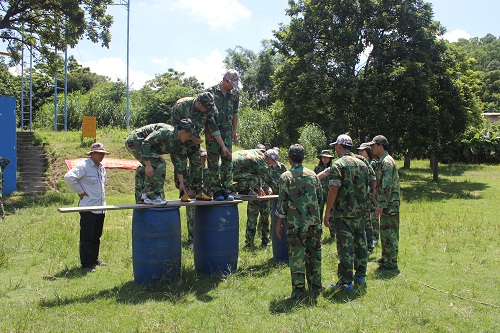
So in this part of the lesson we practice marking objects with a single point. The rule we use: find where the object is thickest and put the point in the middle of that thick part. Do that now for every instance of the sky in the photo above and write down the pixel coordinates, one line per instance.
(192, 36)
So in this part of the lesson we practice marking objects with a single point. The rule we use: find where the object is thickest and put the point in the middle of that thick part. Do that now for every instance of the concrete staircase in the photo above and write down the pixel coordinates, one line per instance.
(31, 165)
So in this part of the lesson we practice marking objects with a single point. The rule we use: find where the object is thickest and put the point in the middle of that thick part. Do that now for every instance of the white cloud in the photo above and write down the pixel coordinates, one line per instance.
(208, 70)
(455, 35)
(216, 13)
(116, 68)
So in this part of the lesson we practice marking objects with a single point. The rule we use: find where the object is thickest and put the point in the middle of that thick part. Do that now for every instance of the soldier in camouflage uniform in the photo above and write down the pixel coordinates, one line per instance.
(250, 170)
(201, 110)
(372, 229)
(325, 161)
(388, 201)
(220, 166)
(147, 144)
(263, 206)
(4, 161)
(299, 195)
(347, 200)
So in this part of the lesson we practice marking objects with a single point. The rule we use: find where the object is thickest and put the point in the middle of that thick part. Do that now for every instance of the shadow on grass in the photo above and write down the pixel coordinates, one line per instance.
(417, 184)
(263, 269)
(67, 273)
(287, 305)
(13, 202)
(386, 275)
(174, 292)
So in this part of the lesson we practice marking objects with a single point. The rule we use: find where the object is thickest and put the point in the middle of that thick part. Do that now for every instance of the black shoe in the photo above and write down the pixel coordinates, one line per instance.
(88, 269)
(379, 261)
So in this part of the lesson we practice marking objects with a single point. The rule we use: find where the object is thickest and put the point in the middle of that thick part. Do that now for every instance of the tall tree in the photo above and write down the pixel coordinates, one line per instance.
(52, 24)
(370, 67)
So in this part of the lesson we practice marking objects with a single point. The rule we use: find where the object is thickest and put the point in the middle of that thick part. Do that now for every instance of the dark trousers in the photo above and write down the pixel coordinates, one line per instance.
(90, 233)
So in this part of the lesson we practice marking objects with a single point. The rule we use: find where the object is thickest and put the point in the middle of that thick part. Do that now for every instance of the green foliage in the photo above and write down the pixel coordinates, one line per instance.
(313, 139)
(153, 103)
(482, 145)
(52, 24)
(255, 126)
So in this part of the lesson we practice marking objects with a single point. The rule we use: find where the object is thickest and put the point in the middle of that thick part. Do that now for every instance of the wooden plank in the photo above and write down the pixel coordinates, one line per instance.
(257, 198)
(170, 203)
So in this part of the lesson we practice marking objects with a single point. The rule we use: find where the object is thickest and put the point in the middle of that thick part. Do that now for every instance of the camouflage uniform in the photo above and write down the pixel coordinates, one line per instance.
(299, 194)
(250, 169)
(388, 198)
(147, 144)
(324, 195)
(221, 175)
(264, 208)
(351, 175)
(4, 161)
(184, 108)
(370, 206)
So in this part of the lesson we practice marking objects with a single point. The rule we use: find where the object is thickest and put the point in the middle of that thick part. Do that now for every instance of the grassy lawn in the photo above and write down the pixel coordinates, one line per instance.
(449, 279)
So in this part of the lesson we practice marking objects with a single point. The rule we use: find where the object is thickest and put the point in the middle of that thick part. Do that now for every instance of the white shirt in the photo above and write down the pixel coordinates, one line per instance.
(89, 178)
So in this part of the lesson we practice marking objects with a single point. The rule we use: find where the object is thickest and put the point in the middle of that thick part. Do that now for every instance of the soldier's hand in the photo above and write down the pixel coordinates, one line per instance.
(149, 171)
(278, 230)
(235, 136)
(225, 152)
(326, 219)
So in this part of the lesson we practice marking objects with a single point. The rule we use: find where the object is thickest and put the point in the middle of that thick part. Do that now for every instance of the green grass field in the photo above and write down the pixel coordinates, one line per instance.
(449, 279)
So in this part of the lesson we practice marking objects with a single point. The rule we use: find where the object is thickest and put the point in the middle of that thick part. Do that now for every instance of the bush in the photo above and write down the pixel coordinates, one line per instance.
(312, 138)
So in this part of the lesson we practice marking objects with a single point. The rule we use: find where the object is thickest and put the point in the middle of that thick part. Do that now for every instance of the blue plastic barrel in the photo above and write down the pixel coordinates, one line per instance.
(280, 247)
(156, 244)
(215, 236)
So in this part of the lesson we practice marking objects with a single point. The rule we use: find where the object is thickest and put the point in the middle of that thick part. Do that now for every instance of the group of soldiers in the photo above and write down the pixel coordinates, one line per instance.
(360, 191)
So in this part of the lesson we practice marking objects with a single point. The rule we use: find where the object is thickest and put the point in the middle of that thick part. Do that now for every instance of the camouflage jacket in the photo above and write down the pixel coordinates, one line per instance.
(324, 182)
(157, 139)
(275, 174)
(352, 177)
(184, 108)
(228, 108)
(388, 190)
(253, 161)
(299, 195)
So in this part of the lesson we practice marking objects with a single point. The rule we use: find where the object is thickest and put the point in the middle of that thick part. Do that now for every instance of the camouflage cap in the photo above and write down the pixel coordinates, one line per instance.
(343, 140)
(296, 151)
(188, 126)
(271, 153)
(364, 145)
(326, 153)
(234, 78)
(97, 147)
(203, 152)
(260, 146)
(207, 100)
(379, 139)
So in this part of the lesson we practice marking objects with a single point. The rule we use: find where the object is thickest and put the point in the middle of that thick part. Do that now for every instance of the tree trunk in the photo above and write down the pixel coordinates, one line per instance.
(407, 162)
(434, 166)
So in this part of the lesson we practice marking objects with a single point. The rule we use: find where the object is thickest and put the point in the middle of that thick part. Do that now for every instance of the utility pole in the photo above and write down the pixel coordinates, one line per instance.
(126, 3)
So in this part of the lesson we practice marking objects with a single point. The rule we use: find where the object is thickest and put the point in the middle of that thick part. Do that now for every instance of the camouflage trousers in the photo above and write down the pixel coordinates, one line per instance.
(389, 238)
(245, 179)
(332, 220)
(220, 175)
(195, 177)
(152, 186)
(253, 209)
(351, 248)
(371, 232)
(304, 252)
(189, 222)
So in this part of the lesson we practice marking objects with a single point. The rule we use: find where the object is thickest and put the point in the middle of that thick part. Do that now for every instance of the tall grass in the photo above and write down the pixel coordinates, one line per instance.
(448, 260)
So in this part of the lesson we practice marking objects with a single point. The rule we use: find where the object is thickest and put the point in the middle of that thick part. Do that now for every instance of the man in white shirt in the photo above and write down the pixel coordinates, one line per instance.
(88, 179)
